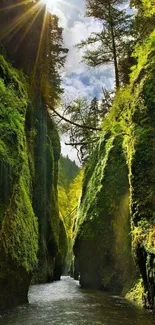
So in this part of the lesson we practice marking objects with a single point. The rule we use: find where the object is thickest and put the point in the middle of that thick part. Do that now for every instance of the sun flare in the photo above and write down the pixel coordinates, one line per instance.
(57, 4)
(50, 4)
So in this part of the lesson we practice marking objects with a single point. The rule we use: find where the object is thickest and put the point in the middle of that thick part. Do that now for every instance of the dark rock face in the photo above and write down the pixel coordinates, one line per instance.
(14, 289)
(60, 258)
(46, 156)
(89, 265)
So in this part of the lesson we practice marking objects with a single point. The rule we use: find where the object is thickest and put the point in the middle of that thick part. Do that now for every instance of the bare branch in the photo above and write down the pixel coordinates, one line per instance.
(83, 126)
(81, 143)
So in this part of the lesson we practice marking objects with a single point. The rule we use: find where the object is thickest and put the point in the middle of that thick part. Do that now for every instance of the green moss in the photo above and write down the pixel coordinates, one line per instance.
(103, 244)
(148, 6)
(136, 293)
(18, 224)
(93, 178)
(29, 154)
(18, 234)
(131, 119)
(45, 196)
(62, 252)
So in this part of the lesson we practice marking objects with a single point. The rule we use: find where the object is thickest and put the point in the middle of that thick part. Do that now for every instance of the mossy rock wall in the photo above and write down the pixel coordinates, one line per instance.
(18, 224)
(31, 233)
(60, 260)
(46, 156)
(132, 118)
(141, 157)
(103, 244)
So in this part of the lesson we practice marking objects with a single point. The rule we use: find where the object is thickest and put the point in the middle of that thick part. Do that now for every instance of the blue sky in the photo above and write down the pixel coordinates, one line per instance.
(79, 80)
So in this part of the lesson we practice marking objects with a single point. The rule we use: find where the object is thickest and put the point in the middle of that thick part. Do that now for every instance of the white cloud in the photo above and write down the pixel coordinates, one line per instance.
(78, 79)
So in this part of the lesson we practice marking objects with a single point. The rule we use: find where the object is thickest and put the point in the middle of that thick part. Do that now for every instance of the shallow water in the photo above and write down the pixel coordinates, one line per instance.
(65, 303)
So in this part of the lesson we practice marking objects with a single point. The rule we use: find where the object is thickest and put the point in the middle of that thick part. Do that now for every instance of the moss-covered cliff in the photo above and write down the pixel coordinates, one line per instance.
(46, 155)
(30, 228)
(103, 244)
(116, 218)
(18, 224)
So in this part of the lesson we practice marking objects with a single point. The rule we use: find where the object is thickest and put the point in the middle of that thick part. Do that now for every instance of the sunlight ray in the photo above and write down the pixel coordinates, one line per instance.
(13, 6)
(50, 4)
(24, 22)
(18, 23)
(28, 28)
(40, 43)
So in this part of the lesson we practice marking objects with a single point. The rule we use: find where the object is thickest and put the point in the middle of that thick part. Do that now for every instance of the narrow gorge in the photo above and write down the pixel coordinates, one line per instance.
(96, 221)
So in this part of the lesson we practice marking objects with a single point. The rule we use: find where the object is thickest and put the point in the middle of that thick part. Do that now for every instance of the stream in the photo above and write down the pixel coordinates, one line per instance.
(65, 303)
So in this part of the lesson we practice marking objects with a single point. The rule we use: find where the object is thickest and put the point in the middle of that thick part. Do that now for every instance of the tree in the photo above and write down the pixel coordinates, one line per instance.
(144, 22)
(67, 171)
(126, 62)
(142, 25)
(55, 54)
(84, 133)
(148, 6)
(110, 42)
(81, 138)
(106, 102)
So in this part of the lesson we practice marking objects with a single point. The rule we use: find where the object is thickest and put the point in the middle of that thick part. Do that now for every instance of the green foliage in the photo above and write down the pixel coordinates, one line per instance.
(68, 206)
(142, 24)
(74, 194)
(136, 293)
(143, 53)
(85, 117)
(148, 6)
(111, 42)
(69, 190)
(67, 171)
(68, 202)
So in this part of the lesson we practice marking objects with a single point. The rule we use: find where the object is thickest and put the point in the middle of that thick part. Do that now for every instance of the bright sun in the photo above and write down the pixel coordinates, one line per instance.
(49, 3)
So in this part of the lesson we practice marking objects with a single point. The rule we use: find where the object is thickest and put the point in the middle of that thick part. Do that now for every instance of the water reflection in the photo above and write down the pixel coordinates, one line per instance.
(65, 303)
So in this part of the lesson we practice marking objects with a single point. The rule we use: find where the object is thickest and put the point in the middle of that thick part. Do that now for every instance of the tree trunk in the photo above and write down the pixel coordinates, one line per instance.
(114, 49)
